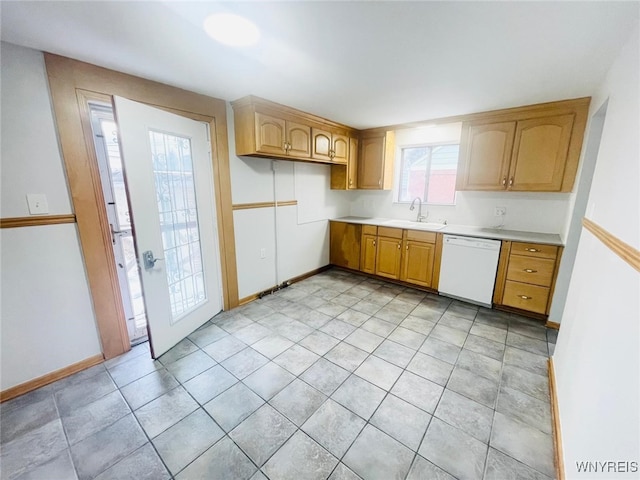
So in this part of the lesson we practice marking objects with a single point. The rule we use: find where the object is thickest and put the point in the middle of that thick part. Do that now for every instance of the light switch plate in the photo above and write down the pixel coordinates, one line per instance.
(37, 203)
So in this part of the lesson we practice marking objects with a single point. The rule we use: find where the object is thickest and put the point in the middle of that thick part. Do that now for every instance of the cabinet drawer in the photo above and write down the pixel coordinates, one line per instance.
(538, 271)
(369, 230)
(526, 297)
(419, 236)
(534, 250)
(389, 232)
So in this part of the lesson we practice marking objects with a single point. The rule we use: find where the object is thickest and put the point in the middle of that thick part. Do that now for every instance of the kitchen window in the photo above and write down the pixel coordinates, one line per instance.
(428, 172)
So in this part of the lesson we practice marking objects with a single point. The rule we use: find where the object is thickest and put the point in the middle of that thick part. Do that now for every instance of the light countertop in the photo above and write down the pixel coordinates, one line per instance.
(464, 230)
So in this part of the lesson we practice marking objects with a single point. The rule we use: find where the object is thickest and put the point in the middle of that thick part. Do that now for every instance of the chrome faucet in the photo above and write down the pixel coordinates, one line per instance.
(420, 217)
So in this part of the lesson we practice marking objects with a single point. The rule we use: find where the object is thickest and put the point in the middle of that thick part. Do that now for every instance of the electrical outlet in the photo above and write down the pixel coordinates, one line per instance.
(500, 211)
(263, 253)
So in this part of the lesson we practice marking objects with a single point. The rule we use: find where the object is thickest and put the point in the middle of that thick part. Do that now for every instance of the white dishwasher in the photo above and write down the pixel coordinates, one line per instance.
(468, 268)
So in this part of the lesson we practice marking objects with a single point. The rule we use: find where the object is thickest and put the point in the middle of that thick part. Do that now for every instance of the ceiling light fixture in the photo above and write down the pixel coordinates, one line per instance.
(232, 30)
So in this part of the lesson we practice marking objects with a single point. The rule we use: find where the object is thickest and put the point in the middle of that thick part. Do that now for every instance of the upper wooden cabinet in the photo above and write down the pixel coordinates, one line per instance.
(282, 137)
(330, 147)
(267, 129)
(530, 149)
(375, 161)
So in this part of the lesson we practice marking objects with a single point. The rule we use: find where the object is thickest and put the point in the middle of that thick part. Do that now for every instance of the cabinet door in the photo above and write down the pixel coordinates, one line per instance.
(299, 139)
(368, 253)
(388, 257)
(485, 155)
(371, 163)
(340, 149)
(321, 144)
(417, 263)
(352, 164)
(270, 134)
(540, 153)
(345, 244)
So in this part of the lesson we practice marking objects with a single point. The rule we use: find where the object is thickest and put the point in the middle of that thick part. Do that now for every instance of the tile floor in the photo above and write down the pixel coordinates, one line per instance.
(338, 376)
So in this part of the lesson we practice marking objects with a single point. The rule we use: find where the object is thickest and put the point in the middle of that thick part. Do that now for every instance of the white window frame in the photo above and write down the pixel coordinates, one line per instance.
(398, 167)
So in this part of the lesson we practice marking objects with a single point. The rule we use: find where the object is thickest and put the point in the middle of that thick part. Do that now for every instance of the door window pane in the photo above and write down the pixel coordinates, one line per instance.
(175, 192)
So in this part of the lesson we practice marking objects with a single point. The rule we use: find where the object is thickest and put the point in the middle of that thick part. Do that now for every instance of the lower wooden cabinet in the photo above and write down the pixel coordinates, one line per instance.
(344, 248)
(407, 255)
(526, 276)
(388, 257)
(418, 259)
(368, 253)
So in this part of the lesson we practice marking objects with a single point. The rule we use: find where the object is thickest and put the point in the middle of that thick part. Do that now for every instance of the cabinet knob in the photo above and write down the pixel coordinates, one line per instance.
(524, 297)
(350, 182)
(379, 183)
(407, 247)
(528, 270)
(374, 243)
(511, 181)
(504, 181)
(398, 246)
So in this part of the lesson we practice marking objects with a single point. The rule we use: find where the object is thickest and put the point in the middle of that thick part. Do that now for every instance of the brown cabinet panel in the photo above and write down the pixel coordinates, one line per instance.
(270, 134)
(524, 296)
(390, 232)
(321, 144)
(370, 163)
(534, 250)
(538, 271)
(388, 257)
(485, 155)
(368, 253)
(540, 153)
(345, 244)
(526, 276)
(417, 263)
(420, 236)
(299, 139)
(375, 162)
(340, 148)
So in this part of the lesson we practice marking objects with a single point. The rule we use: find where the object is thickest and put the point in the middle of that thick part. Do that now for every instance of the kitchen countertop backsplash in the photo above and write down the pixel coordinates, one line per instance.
(464, 230)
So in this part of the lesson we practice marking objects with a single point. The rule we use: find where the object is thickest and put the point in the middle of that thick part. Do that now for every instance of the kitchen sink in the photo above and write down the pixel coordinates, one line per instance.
(415, 225)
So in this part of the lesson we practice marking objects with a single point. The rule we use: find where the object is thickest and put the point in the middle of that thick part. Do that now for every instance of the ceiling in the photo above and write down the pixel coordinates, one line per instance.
(361, 63)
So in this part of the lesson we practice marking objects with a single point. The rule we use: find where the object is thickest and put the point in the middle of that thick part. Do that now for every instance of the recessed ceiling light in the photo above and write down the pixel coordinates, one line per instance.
(231, 29)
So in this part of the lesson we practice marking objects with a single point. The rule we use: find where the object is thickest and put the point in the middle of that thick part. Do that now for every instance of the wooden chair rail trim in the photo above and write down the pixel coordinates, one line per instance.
(247, 206)
(625, 251)
(34, 221)
(27, 387)
(555, 420)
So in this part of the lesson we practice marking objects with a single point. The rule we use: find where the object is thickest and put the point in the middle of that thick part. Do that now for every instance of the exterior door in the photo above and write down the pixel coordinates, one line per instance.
(167, 162)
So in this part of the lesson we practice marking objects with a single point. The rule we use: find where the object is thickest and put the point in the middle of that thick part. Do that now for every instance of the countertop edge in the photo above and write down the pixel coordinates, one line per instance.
(467, 231)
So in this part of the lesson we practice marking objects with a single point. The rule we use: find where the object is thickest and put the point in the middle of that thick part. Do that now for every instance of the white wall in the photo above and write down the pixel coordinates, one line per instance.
(597, 359)
(47, 319)
(295, 238)
(535, 212)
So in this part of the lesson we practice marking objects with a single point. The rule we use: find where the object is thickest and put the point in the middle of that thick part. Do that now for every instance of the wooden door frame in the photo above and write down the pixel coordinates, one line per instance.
(72, 84)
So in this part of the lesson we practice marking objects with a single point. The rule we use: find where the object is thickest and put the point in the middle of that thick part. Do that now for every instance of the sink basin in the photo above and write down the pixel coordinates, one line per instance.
(415, 225)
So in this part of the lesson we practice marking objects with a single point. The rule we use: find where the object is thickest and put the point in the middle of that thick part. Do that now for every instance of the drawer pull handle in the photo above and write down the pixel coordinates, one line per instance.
(524, 297)
(528, 270)
(532, 250)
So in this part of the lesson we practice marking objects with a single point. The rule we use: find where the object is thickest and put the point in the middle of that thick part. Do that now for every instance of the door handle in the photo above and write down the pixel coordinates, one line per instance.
(149, 260)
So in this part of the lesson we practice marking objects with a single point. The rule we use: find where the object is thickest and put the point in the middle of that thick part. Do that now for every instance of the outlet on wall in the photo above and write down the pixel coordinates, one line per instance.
(500, 211)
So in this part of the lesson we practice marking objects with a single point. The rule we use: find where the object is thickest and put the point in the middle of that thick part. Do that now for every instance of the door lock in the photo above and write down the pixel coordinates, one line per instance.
(149, 260)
